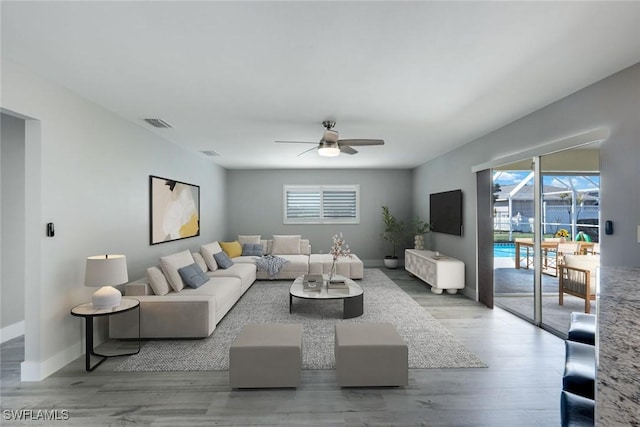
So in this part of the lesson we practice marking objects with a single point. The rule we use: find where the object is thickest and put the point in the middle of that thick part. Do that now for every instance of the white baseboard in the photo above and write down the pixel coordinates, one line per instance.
(12, 331)
(38, 371)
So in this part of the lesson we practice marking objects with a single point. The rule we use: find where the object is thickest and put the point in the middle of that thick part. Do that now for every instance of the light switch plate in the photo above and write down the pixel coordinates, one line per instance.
(639, 234)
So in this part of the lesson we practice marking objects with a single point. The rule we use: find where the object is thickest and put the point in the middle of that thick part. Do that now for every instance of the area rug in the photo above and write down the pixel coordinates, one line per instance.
(430, 344)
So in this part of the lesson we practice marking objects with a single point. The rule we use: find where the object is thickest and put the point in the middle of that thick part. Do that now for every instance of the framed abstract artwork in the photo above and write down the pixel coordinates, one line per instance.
(174, 210)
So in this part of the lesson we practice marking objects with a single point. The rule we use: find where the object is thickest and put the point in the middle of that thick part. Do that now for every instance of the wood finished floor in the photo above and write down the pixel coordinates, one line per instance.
(521, 386)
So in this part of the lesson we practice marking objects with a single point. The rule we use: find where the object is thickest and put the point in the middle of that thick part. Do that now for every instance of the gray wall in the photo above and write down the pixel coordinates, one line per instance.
(93, 170)
(12, 224)
(612, 103)
(255, 206)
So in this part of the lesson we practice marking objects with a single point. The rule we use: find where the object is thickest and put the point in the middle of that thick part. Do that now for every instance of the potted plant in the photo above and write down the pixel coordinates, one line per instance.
(393, 233)
(421, 228)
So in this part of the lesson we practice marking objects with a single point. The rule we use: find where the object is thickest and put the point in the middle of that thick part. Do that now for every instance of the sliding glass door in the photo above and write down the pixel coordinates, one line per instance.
(546, 211)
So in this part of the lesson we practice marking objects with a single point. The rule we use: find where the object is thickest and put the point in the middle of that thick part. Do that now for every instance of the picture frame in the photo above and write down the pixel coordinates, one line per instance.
(174, 210)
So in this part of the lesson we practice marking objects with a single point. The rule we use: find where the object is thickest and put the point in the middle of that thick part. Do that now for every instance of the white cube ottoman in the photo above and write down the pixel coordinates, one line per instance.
(265, 356)
(351, 268)
(370, 354)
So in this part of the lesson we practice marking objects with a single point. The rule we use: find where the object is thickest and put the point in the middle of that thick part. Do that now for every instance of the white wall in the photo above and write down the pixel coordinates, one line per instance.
(94, 186)
(256, 206)
(613, 103)
(12, 249)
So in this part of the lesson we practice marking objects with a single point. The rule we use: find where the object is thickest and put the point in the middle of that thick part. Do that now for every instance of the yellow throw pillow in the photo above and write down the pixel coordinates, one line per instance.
(232, 249)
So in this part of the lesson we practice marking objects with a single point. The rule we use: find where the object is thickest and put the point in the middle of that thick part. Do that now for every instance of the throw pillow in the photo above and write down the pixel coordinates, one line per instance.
(223, 260)
(254, 239)
(249, 249)
(207, 252)
(200, 261)
(193, 275)
(233, 249)
(286, 245)
(157, 281)
(170, 265)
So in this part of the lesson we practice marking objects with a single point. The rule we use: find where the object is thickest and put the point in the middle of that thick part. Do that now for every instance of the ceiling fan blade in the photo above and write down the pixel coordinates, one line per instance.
(360, 142)
(306, 151)
(347, 150)
(295, 142)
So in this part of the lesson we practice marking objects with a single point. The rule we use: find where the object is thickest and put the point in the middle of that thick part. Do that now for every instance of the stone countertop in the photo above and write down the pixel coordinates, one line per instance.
(618, 341)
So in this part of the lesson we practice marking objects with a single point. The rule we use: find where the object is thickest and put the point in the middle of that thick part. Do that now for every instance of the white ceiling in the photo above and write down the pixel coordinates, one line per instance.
(426, 77)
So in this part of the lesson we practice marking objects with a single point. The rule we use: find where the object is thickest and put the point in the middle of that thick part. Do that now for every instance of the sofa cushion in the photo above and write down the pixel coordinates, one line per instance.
(266, 246)
(197, 257)
(244, 271)
(297, 265)
(193, 276)
(286, 245)
(157, 281)
(233, 249)
(252, 239)
(207, 251)
(223, 260)
(227, 291)
(170, 265)
(251, 249)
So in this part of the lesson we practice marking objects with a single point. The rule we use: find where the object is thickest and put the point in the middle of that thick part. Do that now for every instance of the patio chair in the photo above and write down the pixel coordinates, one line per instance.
(577, 277)
(553, 259)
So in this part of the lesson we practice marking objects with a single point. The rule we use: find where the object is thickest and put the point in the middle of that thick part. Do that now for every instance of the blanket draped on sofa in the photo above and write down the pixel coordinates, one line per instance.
(272, 264)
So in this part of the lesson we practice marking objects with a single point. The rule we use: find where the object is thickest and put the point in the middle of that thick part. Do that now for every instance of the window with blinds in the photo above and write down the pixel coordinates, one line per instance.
(321, 204)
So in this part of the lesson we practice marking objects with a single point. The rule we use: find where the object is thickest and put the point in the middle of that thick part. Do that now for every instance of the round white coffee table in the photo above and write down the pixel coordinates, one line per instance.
(353, 295)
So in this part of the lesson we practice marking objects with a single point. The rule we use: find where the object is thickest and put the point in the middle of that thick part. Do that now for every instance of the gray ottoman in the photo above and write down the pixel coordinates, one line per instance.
(266, 355)
(370, 354)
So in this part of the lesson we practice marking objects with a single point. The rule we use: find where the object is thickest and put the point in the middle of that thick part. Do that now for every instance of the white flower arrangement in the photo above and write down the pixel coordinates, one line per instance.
(337, 251)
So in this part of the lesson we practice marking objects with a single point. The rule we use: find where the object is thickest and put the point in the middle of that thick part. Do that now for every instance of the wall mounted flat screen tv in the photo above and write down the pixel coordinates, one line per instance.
(445, 212)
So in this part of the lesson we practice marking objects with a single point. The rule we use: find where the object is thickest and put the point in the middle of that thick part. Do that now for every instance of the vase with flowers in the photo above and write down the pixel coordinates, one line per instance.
(337, 250)
(562, 234)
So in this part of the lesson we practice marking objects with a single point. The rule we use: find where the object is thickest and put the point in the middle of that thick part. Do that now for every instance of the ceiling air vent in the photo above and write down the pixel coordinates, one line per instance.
(159, 123)
(210, 153)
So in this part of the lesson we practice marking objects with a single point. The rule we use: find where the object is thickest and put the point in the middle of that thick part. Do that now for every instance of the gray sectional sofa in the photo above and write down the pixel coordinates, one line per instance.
(171, 309)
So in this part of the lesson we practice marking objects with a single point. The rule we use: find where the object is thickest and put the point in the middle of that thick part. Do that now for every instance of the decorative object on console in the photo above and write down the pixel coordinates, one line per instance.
(174, 210)
(104, 271)
(421, 228)
(393, 233)
(337, 251)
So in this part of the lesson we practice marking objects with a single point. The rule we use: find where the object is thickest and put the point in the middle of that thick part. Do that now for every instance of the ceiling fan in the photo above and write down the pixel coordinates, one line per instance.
(331, 146)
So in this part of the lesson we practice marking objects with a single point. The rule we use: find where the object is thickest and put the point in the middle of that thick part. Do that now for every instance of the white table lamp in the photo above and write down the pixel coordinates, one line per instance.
(105, 271)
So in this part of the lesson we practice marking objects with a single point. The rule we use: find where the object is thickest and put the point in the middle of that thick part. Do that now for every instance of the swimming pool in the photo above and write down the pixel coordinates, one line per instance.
(504, 250)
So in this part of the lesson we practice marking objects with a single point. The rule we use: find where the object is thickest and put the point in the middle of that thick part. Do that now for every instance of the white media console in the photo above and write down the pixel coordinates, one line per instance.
(440, 272)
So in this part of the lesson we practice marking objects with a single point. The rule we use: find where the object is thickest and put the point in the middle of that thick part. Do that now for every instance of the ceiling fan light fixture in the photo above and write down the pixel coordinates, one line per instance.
(328, 149)
(330, 136)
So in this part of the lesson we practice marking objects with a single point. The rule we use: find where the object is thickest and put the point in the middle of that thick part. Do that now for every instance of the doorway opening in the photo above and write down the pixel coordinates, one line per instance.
(568, 220)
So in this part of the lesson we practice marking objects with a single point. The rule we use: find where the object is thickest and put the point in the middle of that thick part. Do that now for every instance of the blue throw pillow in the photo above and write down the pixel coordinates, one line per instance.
(252, 249)
(223, 260)
(193, 276)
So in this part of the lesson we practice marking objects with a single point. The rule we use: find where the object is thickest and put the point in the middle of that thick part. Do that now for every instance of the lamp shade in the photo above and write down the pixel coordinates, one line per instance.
(105, 270)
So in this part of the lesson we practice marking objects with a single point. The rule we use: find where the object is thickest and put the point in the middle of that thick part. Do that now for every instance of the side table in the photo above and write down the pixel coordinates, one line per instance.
(87, 311)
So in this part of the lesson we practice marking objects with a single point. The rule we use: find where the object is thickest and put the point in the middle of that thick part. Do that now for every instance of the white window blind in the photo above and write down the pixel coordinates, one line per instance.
(335, 204)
